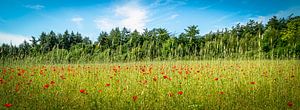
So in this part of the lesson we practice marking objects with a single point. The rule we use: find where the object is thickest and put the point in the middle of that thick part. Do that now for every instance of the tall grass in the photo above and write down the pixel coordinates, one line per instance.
(219, 84)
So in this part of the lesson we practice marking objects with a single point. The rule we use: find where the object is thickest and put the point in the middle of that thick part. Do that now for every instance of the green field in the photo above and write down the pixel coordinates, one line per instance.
(150, 55)
(224, 84)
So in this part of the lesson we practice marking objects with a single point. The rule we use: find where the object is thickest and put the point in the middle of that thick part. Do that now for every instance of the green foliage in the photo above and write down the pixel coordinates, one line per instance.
(278, 39)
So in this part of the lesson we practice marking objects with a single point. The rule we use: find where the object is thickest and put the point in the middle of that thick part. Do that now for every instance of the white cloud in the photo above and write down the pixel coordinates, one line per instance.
(174, 16)
(225, 17)
(168, 3)
(35, 7)
(134, 17)
(287, 12)
(77, 20)
(130, 15)
(105, 24)
(205, 7)
(12, 38)
(279, 14)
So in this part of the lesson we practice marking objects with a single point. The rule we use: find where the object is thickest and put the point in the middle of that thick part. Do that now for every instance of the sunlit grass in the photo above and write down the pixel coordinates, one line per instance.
(153, 85)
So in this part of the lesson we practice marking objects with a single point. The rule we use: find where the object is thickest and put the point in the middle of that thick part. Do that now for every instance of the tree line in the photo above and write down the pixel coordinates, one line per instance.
(279, 38)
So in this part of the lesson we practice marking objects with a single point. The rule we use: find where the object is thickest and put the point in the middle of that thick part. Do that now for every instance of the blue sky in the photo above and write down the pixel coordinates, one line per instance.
(21, 19)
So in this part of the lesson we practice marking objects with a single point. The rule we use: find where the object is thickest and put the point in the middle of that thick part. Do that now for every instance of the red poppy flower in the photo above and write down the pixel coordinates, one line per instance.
(52, 82)
(107, 85)
(290, 104)
(180, 92)
(187, 72)
(1, 81)
(7, 105)
(216, 79)
(99, 91)
(165, 76)
(135, 98)
(221, 92)
(82, 91)
(180, 72)
(41, 72)
(174, 66)
(252, 82)
(144, 81)
(46, 86)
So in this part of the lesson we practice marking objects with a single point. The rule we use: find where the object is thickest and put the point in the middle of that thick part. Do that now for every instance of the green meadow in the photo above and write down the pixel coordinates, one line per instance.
(219, 84)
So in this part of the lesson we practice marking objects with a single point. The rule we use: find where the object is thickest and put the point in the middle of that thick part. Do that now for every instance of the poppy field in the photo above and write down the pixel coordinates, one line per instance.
(224, 84)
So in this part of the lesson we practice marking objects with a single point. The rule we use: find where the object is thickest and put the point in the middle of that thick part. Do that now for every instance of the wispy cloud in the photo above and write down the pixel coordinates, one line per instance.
(164, 11)
(12, 38)
(173, 16)
(287, 12)
(211, 5)
(105, 24)
(280, 14)
(131, 15)
(169, 3)
(77, 20)
(35, 7)
(226, 17)
(205, 7)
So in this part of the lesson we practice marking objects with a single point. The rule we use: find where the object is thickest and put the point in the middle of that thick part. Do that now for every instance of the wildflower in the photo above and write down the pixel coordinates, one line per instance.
(174, 66)
(115, 69)
(216, 79)
(46, 86)
(290, 104)
(180, 72)
(82, 91)
(180, 92)
(187, 72)
(165, 76)
(52, 82)
(41, 72)
(99, 91)
(221, 92)
(7, 105)
(1, 81)
(107, 84)
(135, 98)
(253, 82)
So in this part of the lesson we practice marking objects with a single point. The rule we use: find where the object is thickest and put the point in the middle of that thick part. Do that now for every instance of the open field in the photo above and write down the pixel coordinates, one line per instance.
(221, 84)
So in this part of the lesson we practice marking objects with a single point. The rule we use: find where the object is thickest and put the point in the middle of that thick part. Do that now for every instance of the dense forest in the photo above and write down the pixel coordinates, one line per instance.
(279, 38)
